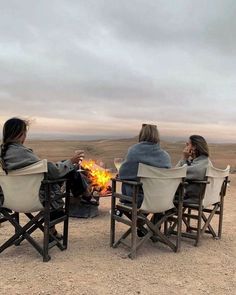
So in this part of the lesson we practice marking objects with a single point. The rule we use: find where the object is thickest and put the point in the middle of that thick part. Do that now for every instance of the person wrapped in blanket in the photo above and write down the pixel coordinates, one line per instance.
(146, 151)
(196, 157)
(14, 155)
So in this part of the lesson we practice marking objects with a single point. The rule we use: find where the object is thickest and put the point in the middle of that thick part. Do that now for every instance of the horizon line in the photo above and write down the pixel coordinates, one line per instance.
(76, 137)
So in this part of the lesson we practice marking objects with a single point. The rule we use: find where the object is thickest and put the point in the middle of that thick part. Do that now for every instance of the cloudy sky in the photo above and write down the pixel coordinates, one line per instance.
(103, 67)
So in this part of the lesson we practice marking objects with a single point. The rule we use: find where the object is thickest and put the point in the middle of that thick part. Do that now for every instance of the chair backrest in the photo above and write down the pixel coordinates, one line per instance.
(21, 187)
(213, 190)
(159, 187)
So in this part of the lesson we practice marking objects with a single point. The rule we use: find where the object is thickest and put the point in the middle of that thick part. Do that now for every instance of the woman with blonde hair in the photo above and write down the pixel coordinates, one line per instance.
(146, 151)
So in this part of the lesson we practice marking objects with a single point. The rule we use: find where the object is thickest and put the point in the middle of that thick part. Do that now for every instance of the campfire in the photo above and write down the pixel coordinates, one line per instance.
(98, 179)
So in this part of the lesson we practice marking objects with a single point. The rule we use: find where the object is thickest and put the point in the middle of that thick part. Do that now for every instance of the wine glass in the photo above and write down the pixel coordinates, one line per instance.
(81, 152)
(118, 162)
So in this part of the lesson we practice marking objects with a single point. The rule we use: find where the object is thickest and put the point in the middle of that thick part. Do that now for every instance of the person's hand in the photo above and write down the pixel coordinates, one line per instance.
(187, 152)
(77, 157)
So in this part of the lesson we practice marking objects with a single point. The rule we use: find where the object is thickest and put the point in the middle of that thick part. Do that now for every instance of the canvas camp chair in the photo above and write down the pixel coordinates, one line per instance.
(21, 195)
(210, 203)
(159, 187)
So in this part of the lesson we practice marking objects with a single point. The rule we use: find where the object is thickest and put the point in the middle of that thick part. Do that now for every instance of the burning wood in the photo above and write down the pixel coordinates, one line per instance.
(98, 179)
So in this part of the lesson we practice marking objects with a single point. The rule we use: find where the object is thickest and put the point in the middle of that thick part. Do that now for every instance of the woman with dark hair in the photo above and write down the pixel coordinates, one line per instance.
(14, 155)
(147, 151)
(196, 157)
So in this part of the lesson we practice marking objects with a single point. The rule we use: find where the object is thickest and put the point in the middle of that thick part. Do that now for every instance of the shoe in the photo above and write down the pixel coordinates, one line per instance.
(141, 232)
(154, 239)
(117, 212)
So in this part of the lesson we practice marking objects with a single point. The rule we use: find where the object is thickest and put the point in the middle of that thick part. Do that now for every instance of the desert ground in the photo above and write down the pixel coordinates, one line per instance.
(90, 266)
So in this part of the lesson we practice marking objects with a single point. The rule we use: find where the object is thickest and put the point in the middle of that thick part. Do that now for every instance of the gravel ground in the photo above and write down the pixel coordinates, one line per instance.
(90, 266)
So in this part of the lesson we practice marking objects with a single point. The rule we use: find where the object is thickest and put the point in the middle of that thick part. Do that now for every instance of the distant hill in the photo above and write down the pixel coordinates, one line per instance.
(107, 149)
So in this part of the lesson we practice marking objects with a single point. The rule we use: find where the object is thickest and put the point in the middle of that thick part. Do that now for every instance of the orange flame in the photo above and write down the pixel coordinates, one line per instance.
(100, 176)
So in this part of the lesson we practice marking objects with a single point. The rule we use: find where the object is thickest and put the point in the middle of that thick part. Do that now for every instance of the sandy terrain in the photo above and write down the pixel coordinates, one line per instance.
(90, 266)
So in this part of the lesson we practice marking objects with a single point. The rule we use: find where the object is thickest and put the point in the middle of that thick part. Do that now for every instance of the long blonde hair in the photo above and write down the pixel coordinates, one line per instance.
(149, 133)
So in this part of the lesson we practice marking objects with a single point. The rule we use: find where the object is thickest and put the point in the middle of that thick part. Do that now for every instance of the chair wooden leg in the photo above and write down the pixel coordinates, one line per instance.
(133, 237)
(207, 222)
(17, 218)
(65, 234)
(112, 231)
(166, 227)
(22, 231)
(188, 221)
(179, 227)
(221, 217)
(134, 225)
(198, 226)
(112, 225)
(46, 256)
(66, 222)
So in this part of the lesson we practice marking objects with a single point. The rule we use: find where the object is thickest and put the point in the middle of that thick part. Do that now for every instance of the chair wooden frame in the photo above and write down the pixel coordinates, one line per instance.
(137, 216)
(131, 222)
(202, 215)
(39, 220)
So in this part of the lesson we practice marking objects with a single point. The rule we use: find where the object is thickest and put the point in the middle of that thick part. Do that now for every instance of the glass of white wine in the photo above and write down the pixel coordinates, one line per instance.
(81, 153)
(118, 162)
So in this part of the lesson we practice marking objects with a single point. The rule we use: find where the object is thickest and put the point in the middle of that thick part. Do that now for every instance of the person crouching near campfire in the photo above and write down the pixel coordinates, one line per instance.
(146, 151)
(14, 155)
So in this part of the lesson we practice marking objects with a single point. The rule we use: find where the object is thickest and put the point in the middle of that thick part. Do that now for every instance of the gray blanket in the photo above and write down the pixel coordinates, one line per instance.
(19, 156)
(146, 153)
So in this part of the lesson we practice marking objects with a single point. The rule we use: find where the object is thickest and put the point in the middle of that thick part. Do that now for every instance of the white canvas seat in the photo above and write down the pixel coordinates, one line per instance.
(216, 178)
(21, 187)
(159, 187)
(21, 195)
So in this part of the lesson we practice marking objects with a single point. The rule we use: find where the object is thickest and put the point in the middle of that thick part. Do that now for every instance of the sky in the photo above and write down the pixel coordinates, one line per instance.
(103, 67)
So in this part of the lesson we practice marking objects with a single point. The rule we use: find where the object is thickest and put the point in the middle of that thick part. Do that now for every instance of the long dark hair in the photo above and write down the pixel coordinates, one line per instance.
(13, 129)
(200, 144)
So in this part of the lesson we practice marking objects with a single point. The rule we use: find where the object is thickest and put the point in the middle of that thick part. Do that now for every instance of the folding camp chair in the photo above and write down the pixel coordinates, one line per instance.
(21, 195)
(209, 203)
(159, 187)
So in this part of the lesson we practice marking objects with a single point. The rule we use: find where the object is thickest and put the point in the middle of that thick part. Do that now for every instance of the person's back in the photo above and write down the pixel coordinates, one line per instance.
(147, 151)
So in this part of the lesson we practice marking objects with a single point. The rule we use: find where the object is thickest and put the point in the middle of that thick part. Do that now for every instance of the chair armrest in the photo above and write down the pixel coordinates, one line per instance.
(46, 181)
(131, 182)
(188, 181)
(123, 197)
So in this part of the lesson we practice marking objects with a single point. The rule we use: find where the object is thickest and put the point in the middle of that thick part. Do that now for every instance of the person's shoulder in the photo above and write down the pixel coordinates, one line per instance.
(201, 159)
(134, 146)
(164, 152)
(18, 146)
